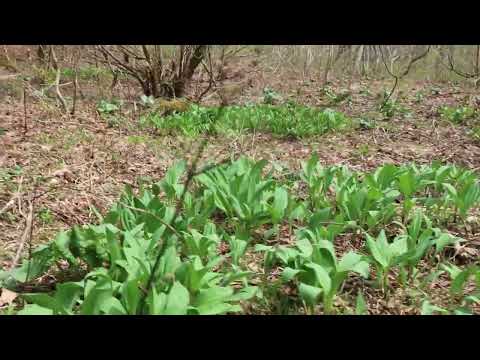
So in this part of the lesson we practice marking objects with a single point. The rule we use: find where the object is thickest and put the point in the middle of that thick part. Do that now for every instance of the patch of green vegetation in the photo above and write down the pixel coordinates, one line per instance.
(8, 174)
(364, 149)
(390, 107)
(456, 115)
(243, 205)
(270, 96)
(336, 98)
(46, 139)
(137, 139)
(285, 120)
(108, 107)
(86, 73)
(110, 112)
(419, 96)
(79, 136)
(461, 303)
(365, 123)
(46, 216)
(475, 133)
(10, 310)
(365, 92)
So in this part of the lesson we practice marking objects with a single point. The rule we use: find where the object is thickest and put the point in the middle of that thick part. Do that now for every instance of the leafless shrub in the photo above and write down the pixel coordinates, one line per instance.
(161, 71)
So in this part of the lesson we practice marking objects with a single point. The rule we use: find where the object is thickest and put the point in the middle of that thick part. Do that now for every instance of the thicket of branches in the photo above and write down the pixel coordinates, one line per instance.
(163, 71)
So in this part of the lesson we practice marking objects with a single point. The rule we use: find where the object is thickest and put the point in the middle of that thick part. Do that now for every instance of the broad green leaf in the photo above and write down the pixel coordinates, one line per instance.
(261, 247)
(212, 295)
(131, 296)
(113, 306)
(459, 281)
(463, 311)
(309, 293)
(429, 309)
(452, 270)
(289, 273)
(361, 306)
(217, 308)
(43, 300)
(280, 204)
(62, 243)
(245, 294)
(321, 275)
(177, 300)
(67, 295)
(348, 261)
(97, 297)
(377, 252)
(34, 309)
(444, 240)
(214, 301)
(406, 183)
(305, 247)
(451, 190)
(362, 268)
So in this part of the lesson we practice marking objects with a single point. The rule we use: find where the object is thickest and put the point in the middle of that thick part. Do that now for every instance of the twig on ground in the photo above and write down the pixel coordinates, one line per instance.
(24, 108)
(26, 234)
(15, 196)
(9, 204)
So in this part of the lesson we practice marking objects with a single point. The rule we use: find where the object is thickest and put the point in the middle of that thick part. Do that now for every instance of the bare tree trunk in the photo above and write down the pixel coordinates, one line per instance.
(57, 80)
(328, 65)
(359, 58)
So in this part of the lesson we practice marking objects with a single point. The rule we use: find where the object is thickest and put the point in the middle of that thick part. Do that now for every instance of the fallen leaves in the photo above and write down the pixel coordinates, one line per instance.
(7, 297)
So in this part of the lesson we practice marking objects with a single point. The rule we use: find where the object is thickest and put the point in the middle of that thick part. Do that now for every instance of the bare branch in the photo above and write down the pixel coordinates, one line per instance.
(414, 60)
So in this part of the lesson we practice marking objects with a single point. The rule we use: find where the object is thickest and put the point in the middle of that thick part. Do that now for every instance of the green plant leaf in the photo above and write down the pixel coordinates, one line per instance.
(34, 309)
(459, 281)
(213, 301)
(444, 240)
(361, 306)
(177, 300)
(406, 183)
(321, 275)
(67, 295)
(43, 300)
(378, 251)
(429, 309)
(280, 204)
(309, 293)
(289, 273)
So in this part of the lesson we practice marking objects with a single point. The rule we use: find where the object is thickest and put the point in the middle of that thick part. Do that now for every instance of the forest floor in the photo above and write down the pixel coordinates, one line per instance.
(79, 162)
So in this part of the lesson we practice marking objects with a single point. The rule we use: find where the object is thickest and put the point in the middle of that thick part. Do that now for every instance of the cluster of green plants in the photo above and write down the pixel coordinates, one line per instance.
(336, 98)
(283, 120)
(389, 108)
(456, 115)
(7, 174)
(270, 96)
(110, 112)
(85, 72)
(475, 133)
(398, 212)
(461, 303)
(419, 97)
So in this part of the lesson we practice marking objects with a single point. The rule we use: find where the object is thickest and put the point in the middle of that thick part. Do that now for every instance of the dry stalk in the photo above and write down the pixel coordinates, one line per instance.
(24, 108)
(57, 80)
(16, 196)
(27, 234)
